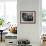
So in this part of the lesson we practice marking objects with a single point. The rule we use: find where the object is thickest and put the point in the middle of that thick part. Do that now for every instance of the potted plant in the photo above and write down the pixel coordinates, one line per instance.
(1, 22)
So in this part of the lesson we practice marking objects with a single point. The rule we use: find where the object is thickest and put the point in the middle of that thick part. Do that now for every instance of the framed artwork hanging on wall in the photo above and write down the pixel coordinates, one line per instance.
(27, 17)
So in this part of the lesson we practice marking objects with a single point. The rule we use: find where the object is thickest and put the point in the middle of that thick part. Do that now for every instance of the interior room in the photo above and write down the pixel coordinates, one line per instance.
(22, 22)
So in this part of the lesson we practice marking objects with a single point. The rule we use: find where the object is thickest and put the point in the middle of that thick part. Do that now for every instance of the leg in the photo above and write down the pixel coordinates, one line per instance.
(1, 36)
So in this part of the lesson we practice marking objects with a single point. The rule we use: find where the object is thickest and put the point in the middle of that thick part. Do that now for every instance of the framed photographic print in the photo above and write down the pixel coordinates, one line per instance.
(27, 17)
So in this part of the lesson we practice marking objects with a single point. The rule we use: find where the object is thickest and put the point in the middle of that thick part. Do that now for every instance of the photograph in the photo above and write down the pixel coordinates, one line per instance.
(27, 17)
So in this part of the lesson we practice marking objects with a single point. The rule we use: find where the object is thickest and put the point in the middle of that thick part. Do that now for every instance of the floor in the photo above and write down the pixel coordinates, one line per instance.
(2, 43)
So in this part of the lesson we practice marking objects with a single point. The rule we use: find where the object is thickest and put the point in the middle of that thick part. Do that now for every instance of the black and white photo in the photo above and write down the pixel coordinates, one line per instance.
(27, 17)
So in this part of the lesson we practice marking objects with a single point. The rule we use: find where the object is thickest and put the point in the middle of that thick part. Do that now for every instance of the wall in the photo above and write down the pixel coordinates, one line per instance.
(30, 31)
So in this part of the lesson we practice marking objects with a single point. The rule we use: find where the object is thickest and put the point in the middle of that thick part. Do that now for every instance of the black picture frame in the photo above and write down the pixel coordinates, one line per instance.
(27, 17)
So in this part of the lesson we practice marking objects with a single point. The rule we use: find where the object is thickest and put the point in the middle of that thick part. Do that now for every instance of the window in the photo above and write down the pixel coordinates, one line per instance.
(1, 9)
(43, 16)
(43, 12)
(8, 11)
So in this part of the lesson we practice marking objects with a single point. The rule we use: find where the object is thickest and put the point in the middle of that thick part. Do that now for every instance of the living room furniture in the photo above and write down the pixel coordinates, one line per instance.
(11, 39)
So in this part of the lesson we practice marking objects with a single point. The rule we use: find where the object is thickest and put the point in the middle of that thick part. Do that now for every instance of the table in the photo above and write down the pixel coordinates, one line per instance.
(1, 34)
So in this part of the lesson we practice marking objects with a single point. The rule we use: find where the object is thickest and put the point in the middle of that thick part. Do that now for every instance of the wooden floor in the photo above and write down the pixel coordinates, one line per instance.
(2, 43)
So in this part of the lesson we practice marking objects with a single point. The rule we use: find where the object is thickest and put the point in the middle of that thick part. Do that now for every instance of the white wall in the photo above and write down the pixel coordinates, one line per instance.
(30, 31)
